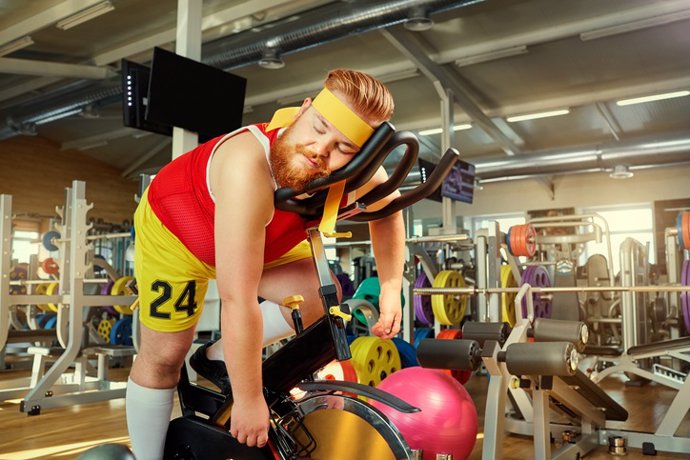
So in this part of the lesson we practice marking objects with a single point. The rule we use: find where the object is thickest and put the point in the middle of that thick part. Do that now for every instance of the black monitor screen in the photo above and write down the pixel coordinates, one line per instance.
(135, 87)
(194, 96)
(459, 183)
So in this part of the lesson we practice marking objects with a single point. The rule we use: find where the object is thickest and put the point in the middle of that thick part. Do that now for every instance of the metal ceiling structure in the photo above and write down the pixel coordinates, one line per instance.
(495, 60)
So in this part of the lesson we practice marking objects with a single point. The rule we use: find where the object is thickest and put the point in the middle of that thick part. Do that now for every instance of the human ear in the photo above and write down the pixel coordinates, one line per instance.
(305, 105)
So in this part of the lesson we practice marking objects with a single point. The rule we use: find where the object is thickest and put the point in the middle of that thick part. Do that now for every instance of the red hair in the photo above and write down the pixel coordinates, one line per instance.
(369, 97)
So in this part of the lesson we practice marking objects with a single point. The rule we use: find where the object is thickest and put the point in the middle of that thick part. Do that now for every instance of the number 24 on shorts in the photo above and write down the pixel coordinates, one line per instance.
(185, 302)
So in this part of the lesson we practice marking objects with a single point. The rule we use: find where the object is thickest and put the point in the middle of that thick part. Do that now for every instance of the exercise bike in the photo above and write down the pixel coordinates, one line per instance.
(309, 427)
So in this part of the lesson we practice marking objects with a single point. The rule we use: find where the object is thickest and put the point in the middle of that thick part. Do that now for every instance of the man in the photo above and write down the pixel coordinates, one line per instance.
(210, 214)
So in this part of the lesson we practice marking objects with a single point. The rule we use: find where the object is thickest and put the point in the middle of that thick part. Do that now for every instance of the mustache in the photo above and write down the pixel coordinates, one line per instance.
(320, 160)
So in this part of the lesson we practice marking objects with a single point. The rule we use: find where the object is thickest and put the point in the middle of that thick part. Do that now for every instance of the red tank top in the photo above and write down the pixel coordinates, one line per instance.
(179, 196)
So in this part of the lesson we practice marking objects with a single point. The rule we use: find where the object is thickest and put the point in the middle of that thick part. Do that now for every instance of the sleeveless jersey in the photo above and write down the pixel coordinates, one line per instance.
(179, 196)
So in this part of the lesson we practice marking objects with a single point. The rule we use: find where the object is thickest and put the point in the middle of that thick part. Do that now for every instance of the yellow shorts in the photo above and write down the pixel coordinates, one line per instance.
(172, 282)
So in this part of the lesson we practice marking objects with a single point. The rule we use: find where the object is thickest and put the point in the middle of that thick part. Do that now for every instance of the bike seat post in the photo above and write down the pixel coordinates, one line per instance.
(294, 302)
(329, 296)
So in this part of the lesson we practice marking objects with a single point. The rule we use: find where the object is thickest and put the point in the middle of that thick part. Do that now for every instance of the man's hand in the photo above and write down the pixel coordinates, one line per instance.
(249, 422)
(390, 313)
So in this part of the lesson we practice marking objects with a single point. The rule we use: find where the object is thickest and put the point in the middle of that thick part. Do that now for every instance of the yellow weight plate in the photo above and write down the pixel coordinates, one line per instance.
(449, 309)
(120, 288)
(52, 290)
(104, 328)
(508, 298)
(374, 359)
(42, 289)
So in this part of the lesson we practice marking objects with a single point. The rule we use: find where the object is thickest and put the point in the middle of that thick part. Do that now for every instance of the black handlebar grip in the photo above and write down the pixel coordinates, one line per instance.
(418, 193)
(401, 170)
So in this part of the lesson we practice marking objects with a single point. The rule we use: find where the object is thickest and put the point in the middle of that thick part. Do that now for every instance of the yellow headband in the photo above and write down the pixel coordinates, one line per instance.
(335, 111)
(342, 117)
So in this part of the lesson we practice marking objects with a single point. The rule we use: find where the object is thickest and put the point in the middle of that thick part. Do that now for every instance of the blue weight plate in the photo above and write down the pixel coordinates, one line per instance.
(422, 333)
(47, 240)
(407, 352)
(121, 333)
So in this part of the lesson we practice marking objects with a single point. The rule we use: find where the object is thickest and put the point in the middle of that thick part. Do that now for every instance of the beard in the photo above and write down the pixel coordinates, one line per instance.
(289, 170)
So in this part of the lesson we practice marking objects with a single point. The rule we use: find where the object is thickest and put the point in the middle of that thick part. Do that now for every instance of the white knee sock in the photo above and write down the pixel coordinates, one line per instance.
(275, 329)
(148, 416)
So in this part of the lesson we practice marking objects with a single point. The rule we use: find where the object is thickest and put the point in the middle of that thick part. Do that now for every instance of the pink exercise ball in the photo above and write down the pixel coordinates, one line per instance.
(447, 422)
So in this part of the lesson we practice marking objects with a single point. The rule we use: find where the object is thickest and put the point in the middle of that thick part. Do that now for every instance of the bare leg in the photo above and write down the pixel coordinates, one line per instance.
(277, 283)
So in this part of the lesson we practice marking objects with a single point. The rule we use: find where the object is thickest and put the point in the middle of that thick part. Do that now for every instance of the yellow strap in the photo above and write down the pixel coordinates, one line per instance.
(330, 209)
(282, 118)
(342, 117)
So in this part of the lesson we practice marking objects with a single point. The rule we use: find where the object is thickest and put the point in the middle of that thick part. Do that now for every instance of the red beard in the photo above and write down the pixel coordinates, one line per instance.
(289, 169)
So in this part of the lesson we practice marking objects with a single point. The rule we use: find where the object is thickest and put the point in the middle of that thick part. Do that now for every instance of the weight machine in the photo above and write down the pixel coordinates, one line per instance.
(54, 387)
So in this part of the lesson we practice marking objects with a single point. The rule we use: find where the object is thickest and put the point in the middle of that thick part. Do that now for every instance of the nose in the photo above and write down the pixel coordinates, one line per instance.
(320, 149)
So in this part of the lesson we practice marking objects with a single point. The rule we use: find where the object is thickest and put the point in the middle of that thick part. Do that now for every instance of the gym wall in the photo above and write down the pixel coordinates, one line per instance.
(575, 190)
(35, 172)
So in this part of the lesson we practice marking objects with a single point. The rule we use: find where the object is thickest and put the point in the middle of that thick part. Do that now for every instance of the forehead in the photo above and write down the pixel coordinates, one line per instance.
(323, 121)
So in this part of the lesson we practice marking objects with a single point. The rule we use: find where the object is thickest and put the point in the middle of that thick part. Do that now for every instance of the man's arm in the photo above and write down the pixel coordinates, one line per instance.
(244, 203)
(388, 241)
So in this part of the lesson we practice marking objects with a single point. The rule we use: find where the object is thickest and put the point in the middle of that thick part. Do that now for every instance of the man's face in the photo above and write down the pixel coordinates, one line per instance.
(308, 149)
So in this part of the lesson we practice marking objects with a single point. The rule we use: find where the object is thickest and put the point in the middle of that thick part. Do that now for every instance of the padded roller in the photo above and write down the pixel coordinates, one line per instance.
(458, 354)
(545, 358)
(556, 330)
(474, 330)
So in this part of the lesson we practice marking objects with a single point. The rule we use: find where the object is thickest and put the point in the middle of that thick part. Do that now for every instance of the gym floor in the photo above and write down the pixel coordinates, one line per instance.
(62, 433)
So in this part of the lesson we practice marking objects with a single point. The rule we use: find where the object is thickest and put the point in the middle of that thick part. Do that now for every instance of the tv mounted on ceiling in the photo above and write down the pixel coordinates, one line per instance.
(185, 93)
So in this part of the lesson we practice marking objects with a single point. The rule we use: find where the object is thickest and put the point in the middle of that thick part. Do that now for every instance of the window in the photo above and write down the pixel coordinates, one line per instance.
(624, 222)
(24, 244)
(505, 221)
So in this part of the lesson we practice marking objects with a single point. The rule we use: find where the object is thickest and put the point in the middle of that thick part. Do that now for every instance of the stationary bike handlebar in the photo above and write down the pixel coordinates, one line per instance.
(361, 169)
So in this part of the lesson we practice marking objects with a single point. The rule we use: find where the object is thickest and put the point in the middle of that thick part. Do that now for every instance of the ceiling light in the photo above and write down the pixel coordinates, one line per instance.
(635, 25)
(432, 131)
(84, 15)
(491, 56)
(418, 20)
(654, 97)
(270, 59)
(532, 116)
(621, 172)
(16, 45)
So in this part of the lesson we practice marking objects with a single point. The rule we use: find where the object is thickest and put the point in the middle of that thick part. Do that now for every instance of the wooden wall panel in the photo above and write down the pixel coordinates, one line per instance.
(35, 172)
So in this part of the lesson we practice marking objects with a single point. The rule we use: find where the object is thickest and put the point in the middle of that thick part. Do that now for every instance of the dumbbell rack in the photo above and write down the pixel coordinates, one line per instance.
(55, 387)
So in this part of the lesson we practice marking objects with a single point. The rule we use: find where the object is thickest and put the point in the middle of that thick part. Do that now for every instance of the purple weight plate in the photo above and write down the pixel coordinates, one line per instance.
(422, 303)
(537, 276)
(685, 296)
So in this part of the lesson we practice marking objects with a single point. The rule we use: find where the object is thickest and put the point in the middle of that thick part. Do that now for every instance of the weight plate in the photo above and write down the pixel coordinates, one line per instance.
(685, 296)
(508, 298)
(461, 376)
(407, 352)
(121, 333)
(47, 240)
(120, 288)
(449, 309)
(537, 276)
(374, 359)
(421, 333)
(424, 313)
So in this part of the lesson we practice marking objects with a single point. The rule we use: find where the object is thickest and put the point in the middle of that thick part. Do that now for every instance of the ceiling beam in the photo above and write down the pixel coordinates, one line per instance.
(572, 27)
(98, 138)
(44, 18)
(410, 47)
(136, 164)
(54, 69)
(224, 17)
